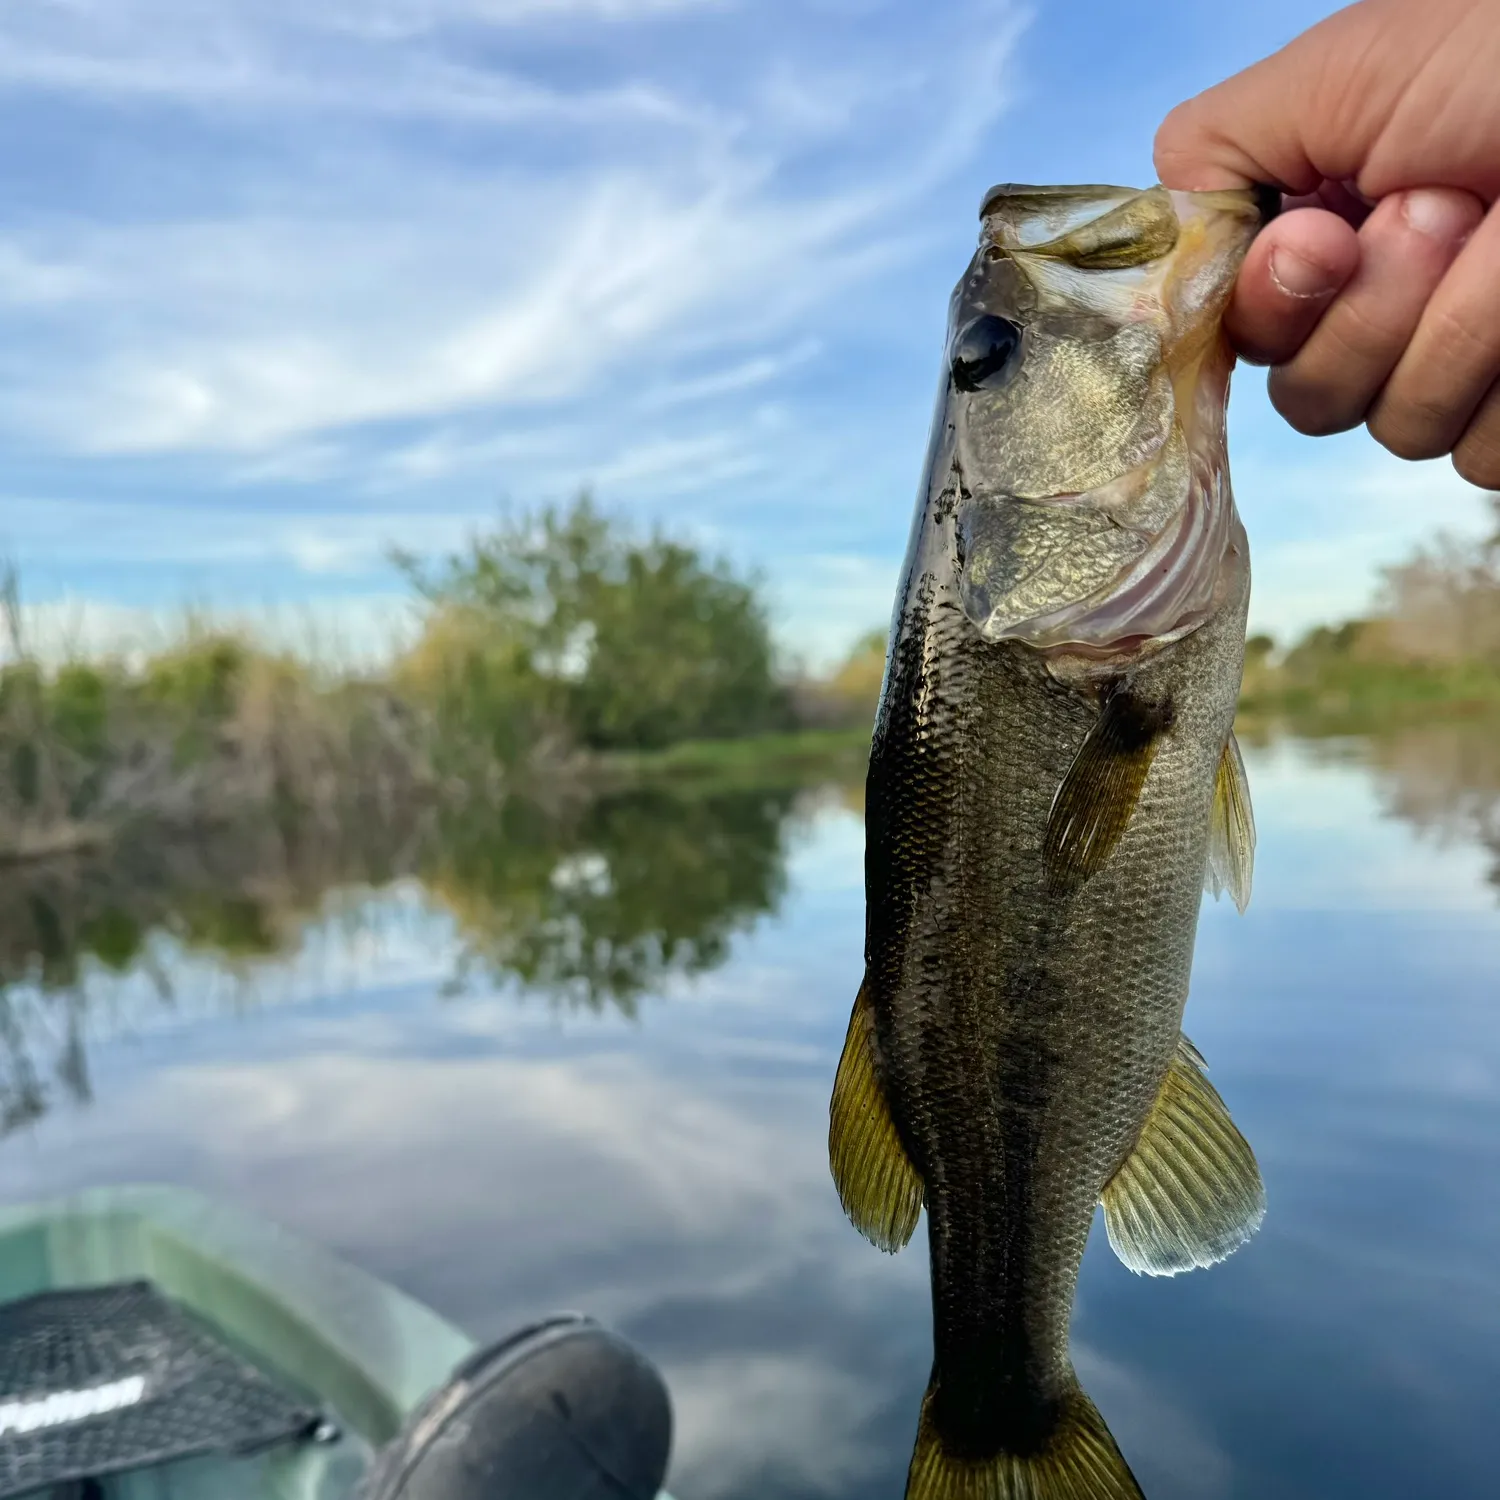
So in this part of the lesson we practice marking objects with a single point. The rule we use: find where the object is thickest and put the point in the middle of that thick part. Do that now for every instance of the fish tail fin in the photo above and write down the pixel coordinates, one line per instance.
(1079, 1461)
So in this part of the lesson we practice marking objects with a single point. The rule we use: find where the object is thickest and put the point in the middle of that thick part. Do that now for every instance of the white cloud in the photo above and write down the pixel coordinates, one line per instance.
(1321, 530)
(373, 279)
(244, 336)
(353, 631)
(826, 602)
(742, 1416)
(74, 532)
(276, 54)
(1167, 1449)
(407, 267)
(28, 280)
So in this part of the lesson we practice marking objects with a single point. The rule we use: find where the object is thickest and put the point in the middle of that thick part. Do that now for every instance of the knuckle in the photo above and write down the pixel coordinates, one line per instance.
(1477, 454)
(1411, 423)
(1397, 434)
(1313, 408)
(1464, 343)
(1483, 473)
(1364, 327)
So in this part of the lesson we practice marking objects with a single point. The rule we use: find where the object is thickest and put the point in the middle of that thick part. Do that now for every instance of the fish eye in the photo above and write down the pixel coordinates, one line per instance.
(984, 353)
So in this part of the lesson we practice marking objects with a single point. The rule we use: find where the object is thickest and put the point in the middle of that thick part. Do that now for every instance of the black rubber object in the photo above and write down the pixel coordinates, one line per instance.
(98, 1380)
(562, 1410)
(1268, 201)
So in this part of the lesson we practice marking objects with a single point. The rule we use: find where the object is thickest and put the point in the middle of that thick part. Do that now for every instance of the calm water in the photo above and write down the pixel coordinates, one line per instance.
(636, 1127)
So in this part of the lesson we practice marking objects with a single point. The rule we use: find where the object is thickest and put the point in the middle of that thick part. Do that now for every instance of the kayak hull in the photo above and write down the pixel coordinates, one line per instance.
(355, 1346)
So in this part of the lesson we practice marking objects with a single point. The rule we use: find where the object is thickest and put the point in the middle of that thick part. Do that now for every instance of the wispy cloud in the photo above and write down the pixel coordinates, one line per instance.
(359, 274)
(396, 57)
(386, 278)
(372, 259)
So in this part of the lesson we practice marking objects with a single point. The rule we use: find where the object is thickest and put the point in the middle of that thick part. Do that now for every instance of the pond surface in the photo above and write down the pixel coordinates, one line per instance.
(594, 1073)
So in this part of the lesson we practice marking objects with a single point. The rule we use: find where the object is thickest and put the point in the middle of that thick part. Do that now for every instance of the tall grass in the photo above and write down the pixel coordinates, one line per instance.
(210, 728)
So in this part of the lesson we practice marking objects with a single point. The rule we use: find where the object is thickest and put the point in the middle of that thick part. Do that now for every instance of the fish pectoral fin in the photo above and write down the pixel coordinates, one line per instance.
(1079, 1460)
(1231, 831)
(1094, 803)
(880, 1189)
(1190, 1193)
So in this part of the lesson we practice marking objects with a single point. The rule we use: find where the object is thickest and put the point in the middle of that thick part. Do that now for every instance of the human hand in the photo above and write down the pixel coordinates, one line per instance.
(1376, 295)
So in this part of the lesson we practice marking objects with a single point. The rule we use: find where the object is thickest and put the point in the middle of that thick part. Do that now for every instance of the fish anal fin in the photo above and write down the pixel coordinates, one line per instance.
(1094, 803)
(1190, 1193)
(1080, 1461)
(1231, 831)
(880, 1189)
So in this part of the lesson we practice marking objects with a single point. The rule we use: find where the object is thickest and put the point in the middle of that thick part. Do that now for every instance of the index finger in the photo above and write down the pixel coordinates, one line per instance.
(1284, 120)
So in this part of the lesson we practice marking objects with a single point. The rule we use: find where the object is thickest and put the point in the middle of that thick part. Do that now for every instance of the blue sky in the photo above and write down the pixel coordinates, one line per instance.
(282, 284)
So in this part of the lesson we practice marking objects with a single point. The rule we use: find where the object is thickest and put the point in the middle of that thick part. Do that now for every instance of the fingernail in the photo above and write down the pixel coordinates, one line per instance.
(1303, 279)
(1439, 213)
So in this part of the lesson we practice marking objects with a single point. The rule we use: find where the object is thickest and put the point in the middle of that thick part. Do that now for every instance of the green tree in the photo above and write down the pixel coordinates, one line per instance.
(633, 643)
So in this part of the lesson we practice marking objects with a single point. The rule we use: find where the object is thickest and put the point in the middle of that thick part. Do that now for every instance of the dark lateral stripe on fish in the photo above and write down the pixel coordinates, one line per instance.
(991, 1378)
(1097, 797)
(909, 792)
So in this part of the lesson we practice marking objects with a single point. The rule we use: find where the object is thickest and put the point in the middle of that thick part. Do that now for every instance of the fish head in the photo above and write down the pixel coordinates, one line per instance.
(1081, 441)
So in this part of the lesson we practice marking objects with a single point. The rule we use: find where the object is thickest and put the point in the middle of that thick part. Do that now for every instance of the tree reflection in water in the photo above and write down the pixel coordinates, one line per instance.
(601, 905)
(589, 902)
(1444, 779)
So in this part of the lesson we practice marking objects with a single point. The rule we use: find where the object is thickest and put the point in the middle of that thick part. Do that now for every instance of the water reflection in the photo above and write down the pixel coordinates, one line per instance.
(602, 903)
(590, 903)
(1444, 779)
(499, 1159)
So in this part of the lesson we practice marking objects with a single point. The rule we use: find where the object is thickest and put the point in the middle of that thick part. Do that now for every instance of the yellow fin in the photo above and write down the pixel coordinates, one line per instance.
(1190, 1193)
(1231, 834)
(878, 1186)
(1079, 1462)
(1092, 807)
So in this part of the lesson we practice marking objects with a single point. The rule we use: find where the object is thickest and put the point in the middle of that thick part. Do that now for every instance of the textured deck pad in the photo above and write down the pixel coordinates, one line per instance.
(102, 1379)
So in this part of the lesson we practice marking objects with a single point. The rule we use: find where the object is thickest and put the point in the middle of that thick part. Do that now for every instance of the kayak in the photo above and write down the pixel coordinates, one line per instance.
(156, 1344)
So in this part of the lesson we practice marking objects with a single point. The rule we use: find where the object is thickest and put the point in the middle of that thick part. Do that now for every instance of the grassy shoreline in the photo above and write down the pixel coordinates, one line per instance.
(802, 750)
(1340, 692)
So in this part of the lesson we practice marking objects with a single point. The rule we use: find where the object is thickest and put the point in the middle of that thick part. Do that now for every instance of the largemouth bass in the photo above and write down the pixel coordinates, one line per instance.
(1053, 780)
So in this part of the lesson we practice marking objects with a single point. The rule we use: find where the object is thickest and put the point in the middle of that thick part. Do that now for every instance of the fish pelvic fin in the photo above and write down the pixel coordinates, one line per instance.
(1231, 830)
(1079, 1461)
(880, 1189)
(1094, 803)
(1190, 1193)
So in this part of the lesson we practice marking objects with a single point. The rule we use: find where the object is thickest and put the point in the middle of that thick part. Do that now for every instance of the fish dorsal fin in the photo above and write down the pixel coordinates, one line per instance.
(878, 1186)
(1231, 833)
(1190, 1193)
(1094, 803)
